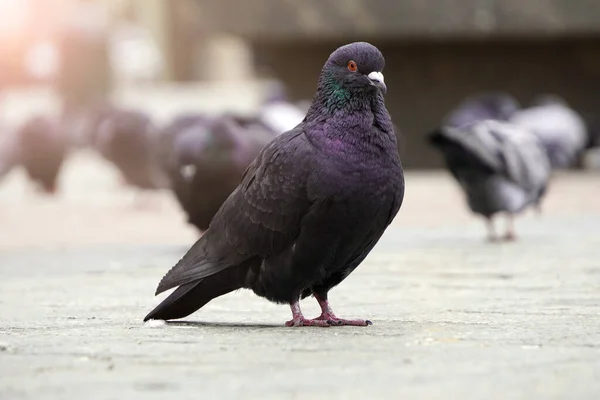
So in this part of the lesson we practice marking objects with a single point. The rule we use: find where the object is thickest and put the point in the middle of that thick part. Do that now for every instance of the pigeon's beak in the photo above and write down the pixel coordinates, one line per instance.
(376, 79)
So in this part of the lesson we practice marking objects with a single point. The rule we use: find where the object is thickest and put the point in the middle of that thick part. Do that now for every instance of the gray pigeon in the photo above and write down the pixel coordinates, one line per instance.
(277, 113)
(500, 166)
(494, 105)
(561, 130)
(309, 208)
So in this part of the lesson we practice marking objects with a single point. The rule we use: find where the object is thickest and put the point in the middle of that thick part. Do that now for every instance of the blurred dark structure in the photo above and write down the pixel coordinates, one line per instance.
(437, 52)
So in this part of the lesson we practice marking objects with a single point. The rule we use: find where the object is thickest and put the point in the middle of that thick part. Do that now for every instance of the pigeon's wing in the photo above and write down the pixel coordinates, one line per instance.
(261, 217)
(523, 157)
(475, 139)
(364, 248)
(561, 131)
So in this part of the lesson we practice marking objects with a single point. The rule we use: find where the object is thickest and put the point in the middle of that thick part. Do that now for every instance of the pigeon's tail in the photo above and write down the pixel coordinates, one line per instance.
(192, 296)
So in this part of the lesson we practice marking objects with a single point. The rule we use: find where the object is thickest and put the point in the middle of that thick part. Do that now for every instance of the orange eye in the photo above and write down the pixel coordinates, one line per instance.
(352, 66)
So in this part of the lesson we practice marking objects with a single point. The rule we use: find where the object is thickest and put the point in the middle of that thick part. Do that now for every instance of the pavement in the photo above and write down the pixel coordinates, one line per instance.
(454, 316)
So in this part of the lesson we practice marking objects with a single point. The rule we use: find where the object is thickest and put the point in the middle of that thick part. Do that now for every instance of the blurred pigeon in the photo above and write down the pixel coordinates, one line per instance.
(81, 124)
(277, 112)
(129, 140)
(500, 166)
(560, 129)
(43, 147)
(309, 208)
(495, 105)
(169, 133)
(208, 161)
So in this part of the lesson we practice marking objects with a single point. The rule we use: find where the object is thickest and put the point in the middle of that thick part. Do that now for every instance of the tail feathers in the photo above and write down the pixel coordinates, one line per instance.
(192, 296)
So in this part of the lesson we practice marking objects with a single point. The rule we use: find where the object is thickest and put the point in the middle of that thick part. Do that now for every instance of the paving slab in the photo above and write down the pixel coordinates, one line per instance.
(454, 316)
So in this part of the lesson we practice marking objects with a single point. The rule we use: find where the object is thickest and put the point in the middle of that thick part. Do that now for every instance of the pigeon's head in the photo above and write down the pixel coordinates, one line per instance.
(355, 68)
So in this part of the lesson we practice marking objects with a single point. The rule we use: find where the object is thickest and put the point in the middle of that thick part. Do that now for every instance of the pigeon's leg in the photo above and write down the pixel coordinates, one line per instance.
(299, 320)
(489, 222)
(538, 209)
(328, 315)
(510, 228)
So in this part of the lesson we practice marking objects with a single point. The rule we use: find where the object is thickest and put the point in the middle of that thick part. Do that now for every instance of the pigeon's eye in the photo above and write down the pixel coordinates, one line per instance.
(352, 66)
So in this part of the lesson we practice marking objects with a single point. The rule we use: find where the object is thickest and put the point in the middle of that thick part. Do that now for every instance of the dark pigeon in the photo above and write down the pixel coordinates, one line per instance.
(309, 208)
(501, 167)
(208, 161)
(561, 130)
(83, 125)
(129, 140)
(169, 133)
(43, 147)
(494, 105)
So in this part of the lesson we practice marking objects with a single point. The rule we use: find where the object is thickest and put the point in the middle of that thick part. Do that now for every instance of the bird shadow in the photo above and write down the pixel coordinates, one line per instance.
(231, 325)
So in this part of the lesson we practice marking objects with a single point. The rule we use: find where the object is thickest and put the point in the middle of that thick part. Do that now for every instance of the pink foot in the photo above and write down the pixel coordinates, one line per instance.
(308, 322)
(326, 319)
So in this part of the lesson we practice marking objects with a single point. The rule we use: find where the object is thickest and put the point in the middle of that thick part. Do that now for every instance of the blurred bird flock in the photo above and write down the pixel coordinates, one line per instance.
(501, 153)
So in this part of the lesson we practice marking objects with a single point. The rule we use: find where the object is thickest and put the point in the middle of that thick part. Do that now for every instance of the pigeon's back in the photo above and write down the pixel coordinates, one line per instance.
(488, 106)
(560, 129)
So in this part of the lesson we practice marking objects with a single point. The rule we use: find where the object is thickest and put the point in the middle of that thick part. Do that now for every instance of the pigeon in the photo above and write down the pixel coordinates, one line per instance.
(561, 130)
(82, 124)
(207, 163)
(494, 105)
(43, 147)
(169, 133)
(277, 113)
(309, 208)
(129, 140)
(500, 166)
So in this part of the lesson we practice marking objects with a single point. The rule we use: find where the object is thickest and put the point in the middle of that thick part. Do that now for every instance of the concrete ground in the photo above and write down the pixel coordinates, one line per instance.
(454, 316)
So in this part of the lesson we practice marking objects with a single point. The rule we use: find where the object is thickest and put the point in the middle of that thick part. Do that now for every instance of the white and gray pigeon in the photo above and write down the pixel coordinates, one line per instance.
(277, 113)
(500, 166)
(561, 130)
(281, 116)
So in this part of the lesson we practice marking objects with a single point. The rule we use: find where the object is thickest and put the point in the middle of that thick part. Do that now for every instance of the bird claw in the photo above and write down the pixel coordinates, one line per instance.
(327, 322)
(308, 322)
(352, 322)
(341, 322)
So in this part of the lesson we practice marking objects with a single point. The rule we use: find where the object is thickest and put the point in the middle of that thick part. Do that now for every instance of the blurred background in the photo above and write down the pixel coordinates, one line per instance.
(121, 81)
(169, 56)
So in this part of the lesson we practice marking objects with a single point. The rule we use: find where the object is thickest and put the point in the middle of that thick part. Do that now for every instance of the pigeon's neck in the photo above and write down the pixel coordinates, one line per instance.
(332, 98)
(355, 124)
